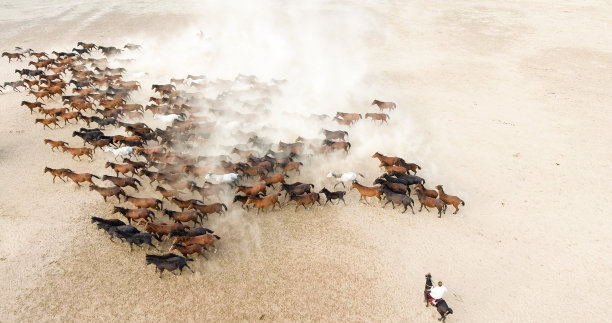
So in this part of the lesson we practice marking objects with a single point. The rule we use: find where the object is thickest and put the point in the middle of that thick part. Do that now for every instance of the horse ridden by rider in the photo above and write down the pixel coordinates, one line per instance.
(433, 296)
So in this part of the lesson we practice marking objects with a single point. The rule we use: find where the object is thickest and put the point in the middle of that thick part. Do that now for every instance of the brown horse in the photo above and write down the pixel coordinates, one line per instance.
(261, 202)
(78, 152)
(185, 216)
(59, 172)
(204, 240)
(329, 145)
(134, 214)
(32, 105)
(163, 229)
(384, 105)
(304, 200)
(51, 112)
(145, 202)
(292, 166)
(449, 199)
(190, 249)
(393, 168)
(207, 209)
(81, 177)
(108, 191)
(429, 193)
(270, 181)
(180, 203)
(123, 181)
(334, 135)
(10, 56)
(55, 143)
(378, 116)
(166, 193)
(431, 202)
(386, 159)
(46, 122)
(121, 168)
(366, 191)
(39, 94)
(70, 115)
(252, 190)
(352, 117)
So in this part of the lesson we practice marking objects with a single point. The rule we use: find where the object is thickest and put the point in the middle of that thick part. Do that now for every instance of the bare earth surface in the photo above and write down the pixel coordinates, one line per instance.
(507, 104)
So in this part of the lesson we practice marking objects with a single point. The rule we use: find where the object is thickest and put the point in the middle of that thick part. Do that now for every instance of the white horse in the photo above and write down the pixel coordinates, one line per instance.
(123, 151)
(230, 178)
(344, 177)
(167, 118)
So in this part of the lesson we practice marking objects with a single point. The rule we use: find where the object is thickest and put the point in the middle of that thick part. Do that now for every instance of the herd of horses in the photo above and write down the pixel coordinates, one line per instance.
(80, 89)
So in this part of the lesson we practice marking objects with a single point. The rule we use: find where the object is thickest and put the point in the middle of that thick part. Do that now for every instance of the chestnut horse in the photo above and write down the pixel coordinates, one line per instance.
(384, 105)
(366, 191)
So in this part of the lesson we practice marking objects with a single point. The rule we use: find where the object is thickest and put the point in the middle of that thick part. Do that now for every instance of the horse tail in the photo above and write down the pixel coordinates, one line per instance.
(418, 167)
(216, 236)
(137, 181)
(388, 116)
(393, 105)
(92, 175)
(422, 179)
(346, 133)
(225, 206)
(348, 144)
(449, 311)
(360, 174)
(462, 203)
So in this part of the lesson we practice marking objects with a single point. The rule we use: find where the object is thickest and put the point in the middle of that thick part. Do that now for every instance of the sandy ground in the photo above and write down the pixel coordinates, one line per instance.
(506, 104)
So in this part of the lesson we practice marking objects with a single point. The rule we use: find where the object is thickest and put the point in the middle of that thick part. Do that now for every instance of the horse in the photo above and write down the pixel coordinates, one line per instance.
(296, 188)
(161, 229)
(450, 199)
(46, 122)
(230, 178)
(205, 240)
(330, 196)
(430, 193)
(431, 202)
(185, 216)
(145, 202)
(441, 305)
(59, 172)
(334, 135)
(386, 159)
(121, 168)
(271, 180)
(378, 116)
(81, 177)
(304, 200)
(344, 177)
(261, 202)
(365, 191)
(168, 262)
(55, 143)
(206, 209)
(123, 181)
(394, 198)
(335, 145)
(410, 179)
(108, 191)
(395, 187)
(252, 190)
(190, 249)
(134, 214)
(384, 105)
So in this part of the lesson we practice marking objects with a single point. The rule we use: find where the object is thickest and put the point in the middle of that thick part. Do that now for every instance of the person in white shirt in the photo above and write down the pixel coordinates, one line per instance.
(438, 292)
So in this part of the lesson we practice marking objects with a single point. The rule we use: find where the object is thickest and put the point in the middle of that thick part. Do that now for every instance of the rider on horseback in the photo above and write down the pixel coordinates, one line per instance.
(437, 293)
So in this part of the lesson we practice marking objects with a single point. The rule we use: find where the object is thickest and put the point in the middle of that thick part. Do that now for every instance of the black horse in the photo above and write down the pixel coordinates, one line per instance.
(441, 306)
